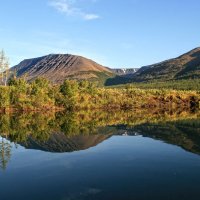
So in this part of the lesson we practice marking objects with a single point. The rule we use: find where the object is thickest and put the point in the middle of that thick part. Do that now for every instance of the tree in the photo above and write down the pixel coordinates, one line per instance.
(2, 60)
(88, 86)
(4, 97)
(4, 67)
(41, 94)
(6, 72)
(69, 90)
(5, 153)
(18, 93)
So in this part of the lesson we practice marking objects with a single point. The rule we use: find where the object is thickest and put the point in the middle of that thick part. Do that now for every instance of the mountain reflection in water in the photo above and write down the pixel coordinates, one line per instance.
(68, 132)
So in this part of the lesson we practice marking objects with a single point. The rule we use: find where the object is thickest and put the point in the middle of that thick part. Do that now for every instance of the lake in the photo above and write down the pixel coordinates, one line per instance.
(119, 155)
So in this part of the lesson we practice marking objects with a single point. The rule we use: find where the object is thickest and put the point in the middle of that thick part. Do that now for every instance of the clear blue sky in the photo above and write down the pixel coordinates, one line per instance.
(115, 33)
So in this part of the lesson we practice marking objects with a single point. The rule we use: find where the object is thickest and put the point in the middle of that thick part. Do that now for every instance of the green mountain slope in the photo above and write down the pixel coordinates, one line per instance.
(186, 66)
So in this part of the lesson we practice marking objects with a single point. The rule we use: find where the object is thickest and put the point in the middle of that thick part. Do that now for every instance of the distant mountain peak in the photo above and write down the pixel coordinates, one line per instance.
(125, 71)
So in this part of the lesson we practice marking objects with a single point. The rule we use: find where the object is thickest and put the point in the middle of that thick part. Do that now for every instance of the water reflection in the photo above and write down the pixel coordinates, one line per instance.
(5, 153)
(68, 132)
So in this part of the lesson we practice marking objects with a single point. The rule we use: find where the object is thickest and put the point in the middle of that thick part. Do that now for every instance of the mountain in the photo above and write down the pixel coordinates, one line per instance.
(184, 133)
(125, 71)
(59, 142)
(186, 66)
(59, 67)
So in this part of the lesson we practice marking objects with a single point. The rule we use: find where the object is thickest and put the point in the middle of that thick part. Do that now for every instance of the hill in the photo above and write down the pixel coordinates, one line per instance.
(59, 67)
(186, 66)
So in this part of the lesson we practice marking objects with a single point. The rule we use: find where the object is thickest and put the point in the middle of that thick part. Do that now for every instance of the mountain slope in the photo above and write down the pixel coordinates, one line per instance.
(186, 66)
(59, 67)
(58, 142)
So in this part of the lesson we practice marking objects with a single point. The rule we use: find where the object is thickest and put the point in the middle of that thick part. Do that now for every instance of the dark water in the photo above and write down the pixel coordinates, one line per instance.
(67, 157)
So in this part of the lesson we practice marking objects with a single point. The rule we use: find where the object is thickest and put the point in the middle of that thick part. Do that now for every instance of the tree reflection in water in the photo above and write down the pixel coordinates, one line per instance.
(67, 132)
(5, 153)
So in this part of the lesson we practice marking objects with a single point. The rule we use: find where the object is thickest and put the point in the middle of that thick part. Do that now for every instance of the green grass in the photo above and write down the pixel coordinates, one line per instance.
(175, 85)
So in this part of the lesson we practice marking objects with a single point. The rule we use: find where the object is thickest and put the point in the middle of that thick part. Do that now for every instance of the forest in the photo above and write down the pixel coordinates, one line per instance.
(40, 95)
(182, 84)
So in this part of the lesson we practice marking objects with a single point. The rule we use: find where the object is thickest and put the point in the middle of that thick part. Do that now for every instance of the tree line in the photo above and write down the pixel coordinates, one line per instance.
(181, 84)
(40, 94)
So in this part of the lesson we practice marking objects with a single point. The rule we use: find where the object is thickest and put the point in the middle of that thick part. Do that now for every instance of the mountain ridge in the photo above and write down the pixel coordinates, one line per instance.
(59, 67)
(184, 66)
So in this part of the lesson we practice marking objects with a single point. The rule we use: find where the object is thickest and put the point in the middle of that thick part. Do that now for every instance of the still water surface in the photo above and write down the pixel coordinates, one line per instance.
(147, 160)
